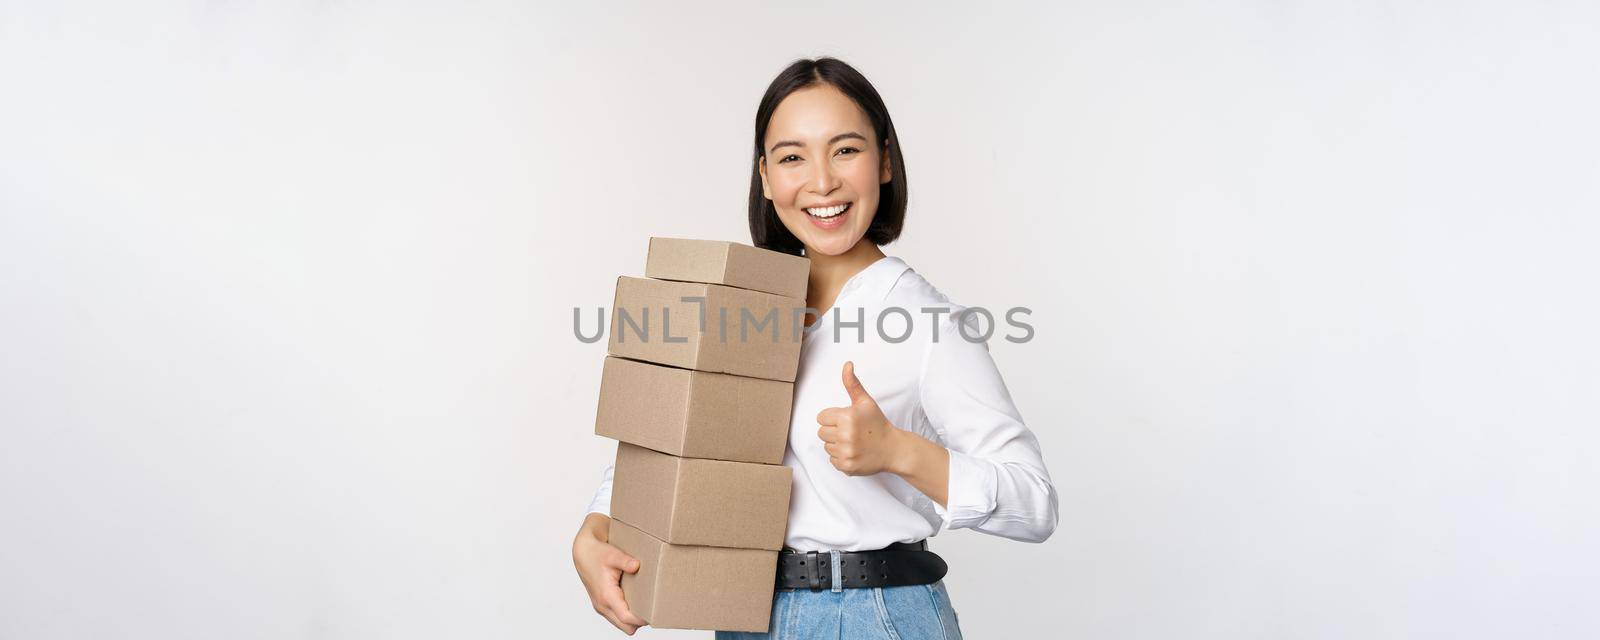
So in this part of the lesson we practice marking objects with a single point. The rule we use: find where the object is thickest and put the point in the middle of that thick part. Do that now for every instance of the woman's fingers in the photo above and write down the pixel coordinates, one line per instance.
(618, 623)
(616, 606)
(830, 416)
(621, 561)
(601, 567)
(610, 604)
(619, 607)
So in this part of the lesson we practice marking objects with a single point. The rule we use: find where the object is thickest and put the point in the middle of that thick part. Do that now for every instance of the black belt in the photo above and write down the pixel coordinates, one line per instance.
(896, 565)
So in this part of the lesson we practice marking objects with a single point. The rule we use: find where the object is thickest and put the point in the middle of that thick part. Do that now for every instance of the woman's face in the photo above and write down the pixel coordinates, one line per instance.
(821, 166)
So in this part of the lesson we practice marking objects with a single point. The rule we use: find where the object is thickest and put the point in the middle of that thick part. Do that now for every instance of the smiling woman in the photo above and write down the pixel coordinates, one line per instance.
(822, 123)
(848, 167)
(891, 440)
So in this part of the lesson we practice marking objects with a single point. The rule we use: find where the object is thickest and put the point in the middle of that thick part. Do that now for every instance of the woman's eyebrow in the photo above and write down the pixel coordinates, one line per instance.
(831, 141)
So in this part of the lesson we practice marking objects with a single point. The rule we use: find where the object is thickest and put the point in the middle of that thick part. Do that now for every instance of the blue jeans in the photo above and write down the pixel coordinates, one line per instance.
(920, 612)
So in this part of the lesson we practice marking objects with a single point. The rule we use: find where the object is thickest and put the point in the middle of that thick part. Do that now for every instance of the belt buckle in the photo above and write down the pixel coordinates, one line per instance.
(813, 576)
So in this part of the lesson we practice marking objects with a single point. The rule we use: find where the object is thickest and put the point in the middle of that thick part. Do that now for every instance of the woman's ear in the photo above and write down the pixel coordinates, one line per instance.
(761, 168)
(884, 172)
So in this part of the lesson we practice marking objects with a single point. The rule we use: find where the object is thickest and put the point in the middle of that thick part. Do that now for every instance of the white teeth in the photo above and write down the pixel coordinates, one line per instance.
(828, 212)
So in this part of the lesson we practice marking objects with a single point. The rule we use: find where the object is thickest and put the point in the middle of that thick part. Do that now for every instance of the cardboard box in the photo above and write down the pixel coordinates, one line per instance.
(688, 587)
(691, 501)
(729, 263)
(746, 333)
(694, 414)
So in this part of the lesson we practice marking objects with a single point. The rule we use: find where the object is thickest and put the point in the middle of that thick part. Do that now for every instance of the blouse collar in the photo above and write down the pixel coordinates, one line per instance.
(875, 280)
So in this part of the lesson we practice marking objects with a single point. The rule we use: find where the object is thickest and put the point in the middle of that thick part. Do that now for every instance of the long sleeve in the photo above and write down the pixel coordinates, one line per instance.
(601, 503)
(998, 481)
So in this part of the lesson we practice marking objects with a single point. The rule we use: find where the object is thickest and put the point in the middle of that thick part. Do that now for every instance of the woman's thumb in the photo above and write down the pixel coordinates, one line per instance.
(852, 384)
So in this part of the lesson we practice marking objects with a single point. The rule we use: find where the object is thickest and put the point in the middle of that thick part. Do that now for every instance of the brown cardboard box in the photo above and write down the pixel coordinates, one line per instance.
(729, 263)
(694, 414)
(688, 587)
(746, 333)
(711, 503)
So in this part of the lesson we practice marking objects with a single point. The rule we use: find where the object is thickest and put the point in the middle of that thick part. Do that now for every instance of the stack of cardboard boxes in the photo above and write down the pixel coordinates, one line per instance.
(697, 391)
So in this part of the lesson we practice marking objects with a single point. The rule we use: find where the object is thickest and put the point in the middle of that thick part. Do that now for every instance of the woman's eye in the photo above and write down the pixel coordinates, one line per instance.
(849, 149)
(788, 158)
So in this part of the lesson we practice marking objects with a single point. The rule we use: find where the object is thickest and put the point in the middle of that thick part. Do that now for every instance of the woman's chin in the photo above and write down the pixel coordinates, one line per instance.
(826, 242)
(830, 246)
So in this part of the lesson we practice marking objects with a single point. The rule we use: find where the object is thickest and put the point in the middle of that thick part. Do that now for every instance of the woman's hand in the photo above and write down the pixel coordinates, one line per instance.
(860, 442)
(601, 566)
(859, 439)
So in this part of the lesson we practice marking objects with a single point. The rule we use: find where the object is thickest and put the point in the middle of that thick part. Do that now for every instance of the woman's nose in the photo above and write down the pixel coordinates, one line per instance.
(823, 180)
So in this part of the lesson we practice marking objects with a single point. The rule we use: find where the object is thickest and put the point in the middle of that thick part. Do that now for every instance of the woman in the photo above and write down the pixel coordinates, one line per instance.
(902, 426)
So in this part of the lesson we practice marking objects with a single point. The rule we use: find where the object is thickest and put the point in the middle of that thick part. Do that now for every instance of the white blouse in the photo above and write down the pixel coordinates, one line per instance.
(941, 386)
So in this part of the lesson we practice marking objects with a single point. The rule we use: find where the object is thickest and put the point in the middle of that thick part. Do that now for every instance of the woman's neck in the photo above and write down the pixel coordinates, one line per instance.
(829, 273)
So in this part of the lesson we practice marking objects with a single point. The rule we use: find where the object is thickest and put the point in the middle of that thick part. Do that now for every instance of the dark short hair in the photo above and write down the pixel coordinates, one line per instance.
(766, 230)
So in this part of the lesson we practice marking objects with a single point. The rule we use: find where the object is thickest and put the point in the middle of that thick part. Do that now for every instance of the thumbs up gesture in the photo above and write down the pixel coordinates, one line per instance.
(859, 439)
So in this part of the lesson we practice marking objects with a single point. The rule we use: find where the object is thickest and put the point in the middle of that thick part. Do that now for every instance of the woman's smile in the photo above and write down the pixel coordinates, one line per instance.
(829, 217)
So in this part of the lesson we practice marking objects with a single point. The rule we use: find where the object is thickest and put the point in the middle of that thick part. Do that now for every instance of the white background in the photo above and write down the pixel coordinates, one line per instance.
(287, 302)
